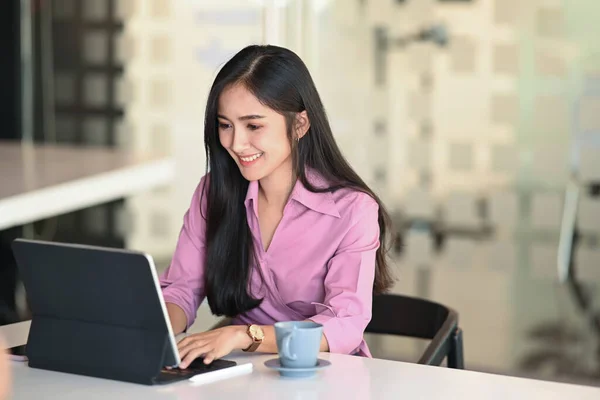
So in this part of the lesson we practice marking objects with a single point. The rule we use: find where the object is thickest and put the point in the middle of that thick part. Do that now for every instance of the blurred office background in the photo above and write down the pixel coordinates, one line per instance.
(470, 118)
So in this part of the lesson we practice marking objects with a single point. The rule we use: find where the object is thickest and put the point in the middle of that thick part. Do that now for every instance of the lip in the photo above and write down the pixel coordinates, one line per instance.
(249, 163)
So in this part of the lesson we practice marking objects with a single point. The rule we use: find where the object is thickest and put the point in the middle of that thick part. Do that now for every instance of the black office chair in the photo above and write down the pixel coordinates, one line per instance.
(417, 318)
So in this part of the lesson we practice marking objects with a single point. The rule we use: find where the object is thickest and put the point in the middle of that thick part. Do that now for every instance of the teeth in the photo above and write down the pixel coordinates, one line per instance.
(249, 159)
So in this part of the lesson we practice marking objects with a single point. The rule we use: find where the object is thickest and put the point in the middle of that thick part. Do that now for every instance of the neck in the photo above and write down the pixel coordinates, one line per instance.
(276, 188)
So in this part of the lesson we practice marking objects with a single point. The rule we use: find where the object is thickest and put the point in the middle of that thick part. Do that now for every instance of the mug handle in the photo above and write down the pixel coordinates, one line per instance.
(285, 350)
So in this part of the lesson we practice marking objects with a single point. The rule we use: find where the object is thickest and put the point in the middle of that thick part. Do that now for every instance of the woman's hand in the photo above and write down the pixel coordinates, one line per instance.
(213, 344)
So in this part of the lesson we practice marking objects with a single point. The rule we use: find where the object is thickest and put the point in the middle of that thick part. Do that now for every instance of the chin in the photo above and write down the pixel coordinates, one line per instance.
(251, 175)
(257, 172)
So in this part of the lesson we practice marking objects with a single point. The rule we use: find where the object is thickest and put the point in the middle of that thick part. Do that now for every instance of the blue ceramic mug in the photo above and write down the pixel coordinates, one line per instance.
(298, 343)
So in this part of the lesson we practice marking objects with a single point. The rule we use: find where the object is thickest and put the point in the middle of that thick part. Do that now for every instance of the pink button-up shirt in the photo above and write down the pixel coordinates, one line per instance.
(320, 264)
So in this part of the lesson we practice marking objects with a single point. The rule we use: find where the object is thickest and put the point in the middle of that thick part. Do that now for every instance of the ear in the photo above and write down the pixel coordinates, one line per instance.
(302, 124)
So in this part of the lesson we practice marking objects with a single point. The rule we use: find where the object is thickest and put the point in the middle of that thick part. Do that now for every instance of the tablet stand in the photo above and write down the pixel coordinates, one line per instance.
(103, 351)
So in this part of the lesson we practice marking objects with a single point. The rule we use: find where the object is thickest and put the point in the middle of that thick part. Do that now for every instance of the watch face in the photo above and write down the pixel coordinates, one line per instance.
(256, 332)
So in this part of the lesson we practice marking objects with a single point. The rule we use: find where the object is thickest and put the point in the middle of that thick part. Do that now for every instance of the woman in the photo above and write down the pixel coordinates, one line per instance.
(281, 228)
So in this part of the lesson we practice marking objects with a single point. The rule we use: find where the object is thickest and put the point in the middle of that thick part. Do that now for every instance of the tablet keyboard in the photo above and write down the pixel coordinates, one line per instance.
(174, 375)
(197, 367)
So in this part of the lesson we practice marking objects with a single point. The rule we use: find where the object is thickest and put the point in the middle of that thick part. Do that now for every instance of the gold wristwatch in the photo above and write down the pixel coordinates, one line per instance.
(257, 335)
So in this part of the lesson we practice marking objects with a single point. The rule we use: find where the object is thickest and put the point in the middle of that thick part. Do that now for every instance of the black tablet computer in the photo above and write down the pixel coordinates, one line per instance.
(99, 312)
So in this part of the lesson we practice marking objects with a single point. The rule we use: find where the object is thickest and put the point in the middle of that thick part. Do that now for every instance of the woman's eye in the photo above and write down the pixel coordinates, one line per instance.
(253, 127)
(224, 125)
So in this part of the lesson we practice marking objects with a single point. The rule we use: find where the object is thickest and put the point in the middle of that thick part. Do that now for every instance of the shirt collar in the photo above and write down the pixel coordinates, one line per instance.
(323, 203)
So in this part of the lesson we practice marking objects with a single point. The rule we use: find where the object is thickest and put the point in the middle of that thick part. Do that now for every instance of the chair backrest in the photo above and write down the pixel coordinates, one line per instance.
(406, 316)
(417, 318)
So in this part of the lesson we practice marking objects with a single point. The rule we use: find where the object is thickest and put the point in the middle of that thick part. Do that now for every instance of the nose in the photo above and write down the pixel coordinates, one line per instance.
(240, 141)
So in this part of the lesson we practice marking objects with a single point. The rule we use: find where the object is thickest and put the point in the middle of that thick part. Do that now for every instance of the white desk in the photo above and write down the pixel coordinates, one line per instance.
(42, 181)
(348, 378)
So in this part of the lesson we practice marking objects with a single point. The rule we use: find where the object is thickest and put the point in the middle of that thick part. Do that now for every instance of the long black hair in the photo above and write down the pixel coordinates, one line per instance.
(279, 80)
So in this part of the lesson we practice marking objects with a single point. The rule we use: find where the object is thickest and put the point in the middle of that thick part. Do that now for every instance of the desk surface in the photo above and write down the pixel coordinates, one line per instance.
(348, 378)
(41, 181)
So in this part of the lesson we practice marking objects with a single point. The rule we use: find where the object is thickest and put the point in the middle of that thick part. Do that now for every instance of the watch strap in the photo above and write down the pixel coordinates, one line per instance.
(252, 348)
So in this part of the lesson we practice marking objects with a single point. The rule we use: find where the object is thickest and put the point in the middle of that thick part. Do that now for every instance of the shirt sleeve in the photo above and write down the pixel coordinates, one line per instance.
(349, 282)
(183, 281)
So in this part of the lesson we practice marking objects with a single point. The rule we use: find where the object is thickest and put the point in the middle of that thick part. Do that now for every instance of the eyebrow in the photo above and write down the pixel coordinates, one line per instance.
(243, 118)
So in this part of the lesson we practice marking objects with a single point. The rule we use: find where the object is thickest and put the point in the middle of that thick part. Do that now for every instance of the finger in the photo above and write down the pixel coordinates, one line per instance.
(193, 343)
(185, 341)
(183, 350)
(210, 357)
(192, 347)
(194, 338)
(192, 355)
(182, 344)
(215, 354)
